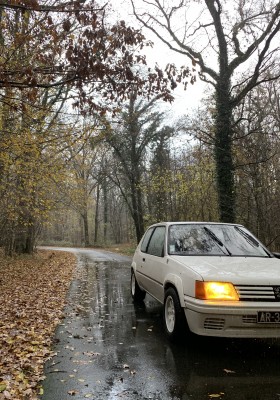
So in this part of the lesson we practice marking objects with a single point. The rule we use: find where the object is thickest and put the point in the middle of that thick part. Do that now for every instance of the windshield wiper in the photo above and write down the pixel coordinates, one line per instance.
(217, 240)
(248, 237)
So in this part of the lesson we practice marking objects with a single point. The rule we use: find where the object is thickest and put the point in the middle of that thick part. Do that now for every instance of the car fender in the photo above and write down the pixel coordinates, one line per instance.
(133, 266)
(176, 281)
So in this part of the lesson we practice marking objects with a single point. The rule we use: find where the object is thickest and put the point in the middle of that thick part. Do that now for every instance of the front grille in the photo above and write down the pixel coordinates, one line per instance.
(258, 293)
(214, 323)
(249, 319)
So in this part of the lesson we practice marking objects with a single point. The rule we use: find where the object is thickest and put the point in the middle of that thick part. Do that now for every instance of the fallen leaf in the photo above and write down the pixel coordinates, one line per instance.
(72, 392)
(229, 371)
(91, 354)
(77, 336)
(123, 393)
(7, 395)
(30, 286)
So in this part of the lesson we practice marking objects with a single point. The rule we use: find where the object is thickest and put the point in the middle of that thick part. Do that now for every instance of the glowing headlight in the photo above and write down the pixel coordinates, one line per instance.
(215, 291)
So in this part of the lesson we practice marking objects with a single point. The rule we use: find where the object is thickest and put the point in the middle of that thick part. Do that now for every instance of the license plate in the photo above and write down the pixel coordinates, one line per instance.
(269, 317)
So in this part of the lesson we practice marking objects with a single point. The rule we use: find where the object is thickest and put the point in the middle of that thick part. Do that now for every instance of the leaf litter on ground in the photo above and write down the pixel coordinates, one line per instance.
(32, 297)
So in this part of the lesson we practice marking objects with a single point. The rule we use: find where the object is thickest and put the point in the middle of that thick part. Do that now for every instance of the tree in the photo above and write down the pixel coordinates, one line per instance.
(159, 169)
(29, 167)
(130, 141)
(234, 35)
(78, 189)
(183, 188)
(52, 52)
(257, 155)
(70, 43)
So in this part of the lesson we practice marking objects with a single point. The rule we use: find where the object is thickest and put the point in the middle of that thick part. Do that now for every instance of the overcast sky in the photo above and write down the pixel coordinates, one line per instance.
(185, 101)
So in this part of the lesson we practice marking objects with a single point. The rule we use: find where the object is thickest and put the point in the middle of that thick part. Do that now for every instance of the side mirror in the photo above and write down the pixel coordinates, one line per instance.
(277, 255)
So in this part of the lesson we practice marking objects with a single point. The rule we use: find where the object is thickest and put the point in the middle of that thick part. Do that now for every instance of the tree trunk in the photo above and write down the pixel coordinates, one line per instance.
(223, 153)
(140, 213)
(105, 209)
(96, 223)
(30, 239)
(137, 213)
(86, 230)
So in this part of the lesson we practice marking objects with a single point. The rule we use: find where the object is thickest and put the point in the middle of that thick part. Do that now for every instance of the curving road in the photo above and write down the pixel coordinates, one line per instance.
(109, 348)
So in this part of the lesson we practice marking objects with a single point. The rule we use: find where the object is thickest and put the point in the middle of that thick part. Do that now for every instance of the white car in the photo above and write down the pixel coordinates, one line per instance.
(214, 279)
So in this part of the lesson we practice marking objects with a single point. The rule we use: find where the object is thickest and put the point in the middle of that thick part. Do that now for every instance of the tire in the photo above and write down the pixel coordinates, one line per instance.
(174, 317)
(137, 294)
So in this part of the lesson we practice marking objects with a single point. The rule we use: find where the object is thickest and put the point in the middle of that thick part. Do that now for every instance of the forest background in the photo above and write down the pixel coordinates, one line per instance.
(92, 146)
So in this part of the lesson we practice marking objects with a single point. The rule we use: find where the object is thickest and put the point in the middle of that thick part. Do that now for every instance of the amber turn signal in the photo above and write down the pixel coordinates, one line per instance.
(215, 291)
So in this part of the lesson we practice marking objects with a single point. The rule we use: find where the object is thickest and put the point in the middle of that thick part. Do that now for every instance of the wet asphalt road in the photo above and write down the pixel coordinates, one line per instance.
(109, 348)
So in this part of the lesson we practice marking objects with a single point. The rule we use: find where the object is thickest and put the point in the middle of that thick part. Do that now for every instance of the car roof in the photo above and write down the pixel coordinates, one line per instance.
(167, 223)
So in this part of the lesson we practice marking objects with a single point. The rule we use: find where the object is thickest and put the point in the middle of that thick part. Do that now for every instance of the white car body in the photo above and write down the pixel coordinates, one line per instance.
(256, 281)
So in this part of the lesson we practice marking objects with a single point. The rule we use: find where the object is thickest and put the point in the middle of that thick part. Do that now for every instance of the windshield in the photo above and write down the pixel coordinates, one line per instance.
(213, 239)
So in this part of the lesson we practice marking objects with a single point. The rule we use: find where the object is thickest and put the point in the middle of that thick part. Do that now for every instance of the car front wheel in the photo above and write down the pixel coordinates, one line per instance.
(136, 293)
(174, 317)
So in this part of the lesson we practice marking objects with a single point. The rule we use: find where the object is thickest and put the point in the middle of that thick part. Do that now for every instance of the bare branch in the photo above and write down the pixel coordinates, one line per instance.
(67, 7)
(241, 58)
(182, 48)
(263, 161)
(254, 81)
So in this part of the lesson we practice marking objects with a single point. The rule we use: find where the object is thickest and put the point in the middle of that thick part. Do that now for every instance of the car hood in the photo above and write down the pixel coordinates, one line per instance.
(238, 270)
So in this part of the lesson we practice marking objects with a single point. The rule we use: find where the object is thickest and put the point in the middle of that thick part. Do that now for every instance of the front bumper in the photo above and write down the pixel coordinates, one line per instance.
(233, 319)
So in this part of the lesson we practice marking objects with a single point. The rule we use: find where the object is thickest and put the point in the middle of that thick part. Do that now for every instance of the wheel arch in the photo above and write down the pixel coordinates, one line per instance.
(175, 282)
(133, 266)
(137, 293)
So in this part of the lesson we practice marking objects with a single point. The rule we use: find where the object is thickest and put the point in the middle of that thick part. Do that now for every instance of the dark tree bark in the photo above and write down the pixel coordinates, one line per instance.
(224, 157)
(136, 202)
(105, 208)
(86, 230)
(96, 217)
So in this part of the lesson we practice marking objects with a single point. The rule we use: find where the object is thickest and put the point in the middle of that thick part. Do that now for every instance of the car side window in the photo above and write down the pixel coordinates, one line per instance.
(146, 239)
(156, 245)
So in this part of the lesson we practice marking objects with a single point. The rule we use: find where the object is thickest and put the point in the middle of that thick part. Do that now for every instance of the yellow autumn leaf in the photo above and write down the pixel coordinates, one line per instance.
(216, 395)
(2, 387)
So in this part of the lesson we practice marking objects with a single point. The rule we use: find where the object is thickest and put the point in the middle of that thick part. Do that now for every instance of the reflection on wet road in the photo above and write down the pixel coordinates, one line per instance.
(109, 348)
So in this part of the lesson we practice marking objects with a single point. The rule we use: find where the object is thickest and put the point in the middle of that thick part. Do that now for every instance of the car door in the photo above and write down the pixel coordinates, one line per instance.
(154, 263)
(139, 258)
